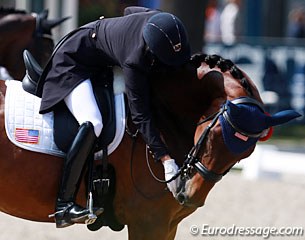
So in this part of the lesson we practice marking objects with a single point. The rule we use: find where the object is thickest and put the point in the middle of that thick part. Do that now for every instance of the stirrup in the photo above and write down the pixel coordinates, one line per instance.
(91, 217)
(62, 220)
(88, 218)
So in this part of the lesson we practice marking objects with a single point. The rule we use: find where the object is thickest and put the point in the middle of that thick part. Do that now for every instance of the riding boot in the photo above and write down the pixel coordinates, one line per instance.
(67, 212)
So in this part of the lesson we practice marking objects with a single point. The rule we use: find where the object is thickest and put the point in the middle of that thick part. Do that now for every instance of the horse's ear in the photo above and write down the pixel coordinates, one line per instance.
(266, 120)
(44, 14)
(45, 24)
(49, 24)
(282, 117)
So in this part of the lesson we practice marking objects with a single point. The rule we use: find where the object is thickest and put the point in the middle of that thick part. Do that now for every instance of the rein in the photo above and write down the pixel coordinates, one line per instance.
(192, 159)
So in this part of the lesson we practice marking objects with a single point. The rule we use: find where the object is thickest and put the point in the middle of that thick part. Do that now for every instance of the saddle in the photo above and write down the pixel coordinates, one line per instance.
(65, 125)
(65, 130)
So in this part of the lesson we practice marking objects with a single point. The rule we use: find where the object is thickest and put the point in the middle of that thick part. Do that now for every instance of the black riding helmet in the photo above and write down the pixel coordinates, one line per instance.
(167, 39)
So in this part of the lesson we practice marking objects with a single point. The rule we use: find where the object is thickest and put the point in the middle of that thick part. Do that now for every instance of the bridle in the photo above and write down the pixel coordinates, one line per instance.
(192, 161)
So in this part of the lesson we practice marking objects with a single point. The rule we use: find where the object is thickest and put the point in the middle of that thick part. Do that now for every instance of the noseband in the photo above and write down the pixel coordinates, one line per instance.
(192, 160)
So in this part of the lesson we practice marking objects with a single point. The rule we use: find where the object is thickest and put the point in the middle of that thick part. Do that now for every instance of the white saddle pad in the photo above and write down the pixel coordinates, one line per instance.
(28, 129)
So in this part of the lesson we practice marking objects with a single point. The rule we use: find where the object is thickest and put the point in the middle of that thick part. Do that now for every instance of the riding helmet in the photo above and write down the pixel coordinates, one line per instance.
(167, 39)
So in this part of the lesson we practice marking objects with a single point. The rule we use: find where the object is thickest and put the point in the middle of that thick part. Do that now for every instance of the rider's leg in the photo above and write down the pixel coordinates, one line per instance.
(82, 104)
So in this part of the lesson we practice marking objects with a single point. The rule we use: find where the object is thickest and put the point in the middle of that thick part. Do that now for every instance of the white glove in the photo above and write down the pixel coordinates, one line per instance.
(170, 169)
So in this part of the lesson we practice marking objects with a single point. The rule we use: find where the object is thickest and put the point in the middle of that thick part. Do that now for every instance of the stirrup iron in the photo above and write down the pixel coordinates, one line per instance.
(91, 217)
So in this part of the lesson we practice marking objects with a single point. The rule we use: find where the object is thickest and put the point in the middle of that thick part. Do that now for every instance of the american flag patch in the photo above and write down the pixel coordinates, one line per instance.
(27, 135)
(241, 137)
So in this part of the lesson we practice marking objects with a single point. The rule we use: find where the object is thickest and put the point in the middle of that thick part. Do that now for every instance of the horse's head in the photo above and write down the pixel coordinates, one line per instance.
(25, 31)
(42, 44)
(222, 106)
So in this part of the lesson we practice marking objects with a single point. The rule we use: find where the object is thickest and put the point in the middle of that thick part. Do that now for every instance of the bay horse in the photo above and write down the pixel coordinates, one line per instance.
(186, 104)
(19, 31)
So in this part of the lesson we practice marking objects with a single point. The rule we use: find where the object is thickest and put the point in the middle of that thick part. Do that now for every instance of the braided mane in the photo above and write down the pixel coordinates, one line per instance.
(224, 65)
(11, 11)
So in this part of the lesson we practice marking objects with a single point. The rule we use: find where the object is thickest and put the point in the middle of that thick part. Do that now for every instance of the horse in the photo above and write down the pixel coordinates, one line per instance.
(187, 104)
(20, 30)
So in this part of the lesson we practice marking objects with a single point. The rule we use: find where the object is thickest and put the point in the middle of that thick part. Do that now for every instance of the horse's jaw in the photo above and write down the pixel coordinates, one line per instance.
(193, 192)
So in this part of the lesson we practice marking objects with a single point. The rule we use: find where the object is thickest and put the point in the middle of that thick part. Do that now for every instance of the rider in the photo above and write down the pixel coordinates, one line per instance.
(140, 42)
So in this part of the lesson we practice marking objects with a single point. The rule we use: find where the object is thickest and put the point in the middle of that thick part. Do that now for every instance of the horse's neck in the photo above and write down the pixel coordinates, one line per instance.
(179, 100)
(5, 11)
(12, 27)
(176, 130)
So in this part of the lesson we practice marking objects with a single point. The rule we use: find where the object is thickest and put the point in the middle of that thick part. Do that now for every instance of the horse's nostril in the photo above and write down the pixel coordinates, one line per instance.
(181, 198)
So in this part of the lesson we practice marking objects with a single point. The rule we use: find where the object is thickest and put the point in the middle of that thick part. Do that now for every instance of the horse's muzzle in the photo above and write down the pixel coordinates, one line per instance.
(185, 201)
(183, 197)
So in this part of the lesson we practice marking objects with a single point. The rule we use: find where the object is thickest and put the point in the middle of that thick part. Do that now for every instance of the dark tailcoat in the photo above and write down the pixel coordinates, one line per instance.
(106, 42)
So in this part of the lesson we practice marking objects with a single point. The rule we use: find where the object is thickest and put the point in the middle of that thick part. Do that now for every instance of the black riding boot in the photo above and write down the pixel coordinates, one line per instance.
(67, 212)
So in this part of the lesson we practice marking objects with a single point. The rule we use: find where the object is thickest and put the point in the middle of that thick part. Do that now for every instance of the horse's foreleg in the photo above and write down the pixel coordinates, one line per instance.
(158, 231)
(155, 226)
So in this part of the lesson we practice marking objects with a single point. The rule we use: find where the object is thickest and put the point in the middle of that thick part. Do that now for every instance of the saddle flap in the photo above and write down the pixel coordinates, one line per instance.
(103, 92)
(66, 126)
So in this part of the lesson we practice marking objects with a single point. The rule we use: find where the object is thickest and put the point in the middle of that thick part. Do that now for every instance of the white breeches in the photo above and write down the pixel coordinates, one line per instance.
(82, 104)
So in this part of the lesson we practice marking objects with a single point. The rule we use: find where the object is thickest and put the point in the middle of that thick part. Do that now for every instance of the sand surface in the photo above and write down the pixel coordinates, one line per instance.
(234, 202)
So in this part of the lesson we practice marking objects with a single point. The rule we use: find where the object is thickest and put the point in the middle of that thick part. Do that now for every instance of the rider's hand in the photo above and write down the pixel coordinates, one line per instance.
(170, 170)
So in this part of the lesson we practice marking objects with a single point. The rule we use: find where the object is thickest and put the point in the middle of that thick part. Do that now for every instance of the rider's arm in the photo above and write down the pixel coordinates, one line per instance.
(137, 90)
